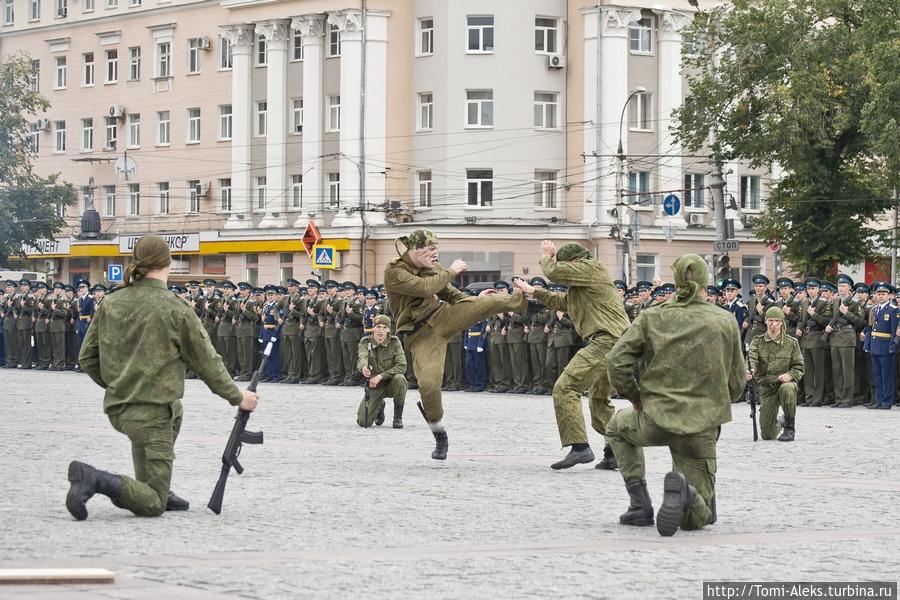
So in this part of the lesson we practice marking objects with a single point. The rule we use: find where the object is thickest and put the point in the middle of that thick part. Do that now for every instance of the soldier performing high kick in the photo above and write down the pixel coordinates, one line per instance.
(599, 318)
(429, 311)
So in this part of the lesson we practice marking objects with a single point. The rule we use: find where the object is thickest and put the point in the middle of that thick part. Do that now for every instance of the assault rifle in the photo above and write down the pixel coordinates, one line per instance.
(767, 300)
(239, 436)
(368, 392)
(837, 317)
(750, 394)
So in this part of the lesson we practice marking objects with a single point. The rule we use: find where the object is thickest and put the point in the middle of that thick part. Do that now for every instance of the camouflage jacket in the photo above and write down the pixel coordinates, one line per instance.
(415, 293)
(769, 359)
(387, 359)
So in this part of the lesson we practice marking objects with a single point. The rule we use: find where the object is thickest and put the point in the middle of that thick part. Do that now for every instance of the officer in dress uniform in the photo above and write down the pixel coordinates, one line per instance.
(881, 343)
(476, 362)
(754, 323)
(819, 365)
(291, 342)
(85, 311)
(312, 333)
(331, 310)
(268, 332)
(734, 305)
(71, 335)
(370, 311)
(789, 305)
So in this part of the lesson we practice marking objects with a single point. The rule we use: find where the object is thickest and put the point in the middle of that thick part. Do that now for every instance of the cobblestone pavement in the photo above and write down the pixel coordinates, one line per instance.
(328, 510)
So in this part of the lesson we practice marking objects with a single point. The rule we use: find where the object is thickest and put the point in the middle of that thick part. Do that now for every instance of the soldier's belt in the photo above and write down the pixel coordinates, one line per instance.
(474, 333)
(85, 318)
(270, 326)
(880, 334)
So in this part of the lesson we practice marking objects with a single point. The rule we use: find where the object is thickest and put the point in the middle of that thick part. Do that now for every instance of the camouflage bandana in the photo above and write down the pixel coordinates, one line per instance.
(571, 251)
(417, 239)
(775, 313)
(691, 275)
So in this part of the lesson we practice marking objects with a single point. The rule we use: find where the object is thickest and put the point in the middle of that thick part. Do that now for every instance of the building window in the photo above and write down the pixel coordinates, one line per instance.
(112, 3)
(750, 266)
(640, 111)
(639, 188)
(34, 14)
(135, 3)
(225, 194)
(193, 126)
(87, 77)
(334, 190)
(60, 81)
(88, 6)
(134, 131)
(9, 12)
(546, 32)
(134, 63)
(163, 192)
(87, 135)
(545, 187)
(750, 192)
(112, 66)
(214, 265)
(134, 199)
(424, 178)
(297, 192)
(261, 118)
(480, 187)
(194, 55)
(546, 109)
(62, 9)
(426, 111)
(694, 187)
(298, 115)
(193, 192)
(225, 122)
(34, 77)
(112, 129)
(59, 144)
(109, 191)
(646, 267)
(426, 36)
(164, 59)
(224, 53)
(261, 193)
(334, 112)
(479, 108)
(640, 34)
(162, 129)
(334, 41)
(262, 51)
(34, 138)
(480, 34)
(296, 45)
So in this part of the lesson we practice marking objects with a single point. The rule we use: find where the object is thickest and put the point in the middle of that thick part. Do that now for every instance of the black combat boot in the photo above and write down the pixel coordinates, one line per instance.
(85, 482)
(712, 510)
(788, 434)
(609, 460)
(379, 420)
(176, 502)
(441, 445)
(640, 511)
(677, 497)
(398, 416)
(580, 453)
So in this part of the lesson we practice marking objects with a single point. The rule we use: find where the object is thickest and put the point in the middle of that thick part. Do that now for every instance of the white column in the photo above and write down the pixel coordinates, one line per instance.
(311, 28)
(613, 73)
(349, 23)
(277, 35)
(376, 114)
(241, 39)
(670, 97)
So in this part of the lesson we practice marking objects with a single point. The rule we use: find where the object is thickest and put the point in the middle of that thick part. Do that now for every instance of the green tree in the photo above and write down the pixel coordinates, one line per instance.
(29, 204)
(808, 85)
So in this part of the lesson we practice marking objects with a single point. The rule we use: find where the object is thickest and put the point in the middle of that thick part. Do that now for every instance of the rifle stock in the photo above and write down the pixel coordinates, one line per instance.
(238, 437)
(750, 392)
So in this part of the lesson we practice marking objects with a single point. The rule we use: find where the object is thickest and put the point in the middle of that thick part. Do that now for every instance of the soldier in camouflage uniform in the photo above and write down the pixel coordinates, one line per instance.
(137, 350)
(599, 318)
(381, 360)
(428, 311)
(694, 368)
(776, 367)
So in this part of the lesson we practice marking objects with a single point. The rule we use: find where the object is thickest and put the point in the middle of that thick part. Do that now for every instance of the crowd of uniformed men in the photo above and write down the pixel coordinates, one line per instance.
(848, 333)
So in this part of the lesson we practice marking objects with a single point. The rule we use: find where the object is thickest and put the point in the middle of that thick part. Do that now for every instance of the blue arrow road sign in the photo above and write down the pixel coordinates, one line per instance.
(671, 205)
(114, 273)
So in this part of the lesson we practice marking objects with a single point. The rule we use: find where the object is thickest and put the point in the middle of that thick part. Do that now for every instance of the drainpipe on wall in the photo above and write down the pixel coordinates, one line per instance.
(362, 150)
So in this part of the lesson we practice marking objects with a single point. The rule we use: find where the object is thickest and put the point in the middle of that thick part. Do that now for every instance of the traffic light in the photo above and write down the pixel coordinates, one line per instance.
(724, 268)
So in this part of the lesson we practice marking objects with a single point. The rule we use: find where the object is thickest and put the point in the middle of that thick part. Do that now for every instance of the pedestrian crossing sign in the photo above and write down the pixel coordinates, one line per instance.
(324, 257)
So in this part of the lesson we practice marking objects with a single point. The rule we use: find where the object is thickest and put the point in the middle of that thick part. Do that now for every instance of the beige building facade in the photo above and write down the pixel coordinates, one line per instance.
(229, 126)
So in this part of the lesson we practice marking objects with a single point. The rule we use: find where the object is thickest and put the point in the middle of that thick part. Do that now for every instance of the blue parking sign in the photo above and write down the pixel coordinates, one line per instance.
(114, 273)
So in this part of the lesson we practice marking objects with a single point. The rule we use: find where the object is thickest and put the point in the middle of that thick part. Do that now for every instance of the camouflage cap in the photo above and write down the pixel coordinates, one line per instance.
(419, 239)
(382, 320)
(775, 313)
(571, 251)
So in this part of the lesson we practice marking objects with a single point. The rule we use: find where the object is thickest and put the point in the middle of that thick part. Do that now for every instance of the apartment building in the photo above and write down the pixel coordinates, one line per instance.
(230, 125)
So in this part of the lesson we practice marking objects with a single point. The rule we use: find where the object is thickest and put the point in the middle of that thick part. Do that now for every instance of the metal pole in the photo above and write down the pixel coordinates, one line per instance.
(894, 243)
(598, 120)
(362, 153)
(717, 190)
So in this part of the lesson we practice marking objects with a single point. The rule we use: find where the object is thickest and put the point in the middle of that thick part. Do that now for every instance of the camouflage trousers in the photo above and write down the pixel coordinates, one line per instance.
(428, 346)
(694, 456)
(394, 388)
(586, 371)
(770, 400)
(152, 430)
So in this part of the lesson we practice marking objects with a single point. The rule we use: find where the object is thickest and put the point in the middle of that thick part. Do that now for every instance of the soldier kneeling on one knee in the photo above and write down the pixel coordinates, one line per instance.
(383, 363)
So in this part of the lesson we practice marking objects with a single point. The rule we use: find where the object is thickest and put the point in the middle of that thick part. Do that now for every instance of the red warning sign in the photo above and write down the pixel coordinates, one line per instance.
(311, 237)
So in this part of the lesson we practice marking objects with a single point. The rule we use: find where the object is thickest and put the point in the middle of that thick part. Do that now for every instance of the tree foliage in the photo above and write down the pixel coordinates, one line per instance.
(29, 204)
(809, 86)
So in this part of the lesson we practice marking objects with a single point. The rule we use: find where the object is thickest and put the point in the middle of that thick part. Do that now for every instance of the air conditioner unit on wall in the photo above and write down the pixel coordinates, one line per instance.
(117, 110)
(205, 43)
(556, 61)
(697, 220)
(43, 124)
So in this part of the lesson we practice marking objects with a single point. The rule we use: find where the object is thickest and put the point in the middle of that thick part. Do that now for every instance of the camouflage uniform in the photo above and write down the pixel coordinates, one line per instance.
(389, 361)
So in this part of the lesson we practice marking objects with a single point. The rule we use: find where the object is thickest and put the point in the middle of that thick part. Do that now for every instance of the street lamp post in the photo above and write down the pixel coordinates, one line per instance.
(622, 250)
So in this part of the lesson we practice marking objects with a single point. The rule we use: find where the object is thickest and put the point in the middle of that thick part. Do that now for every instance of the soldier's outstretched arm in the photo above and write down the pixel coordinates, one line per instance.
(198, 353)
(403, 282)
(568, 272)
